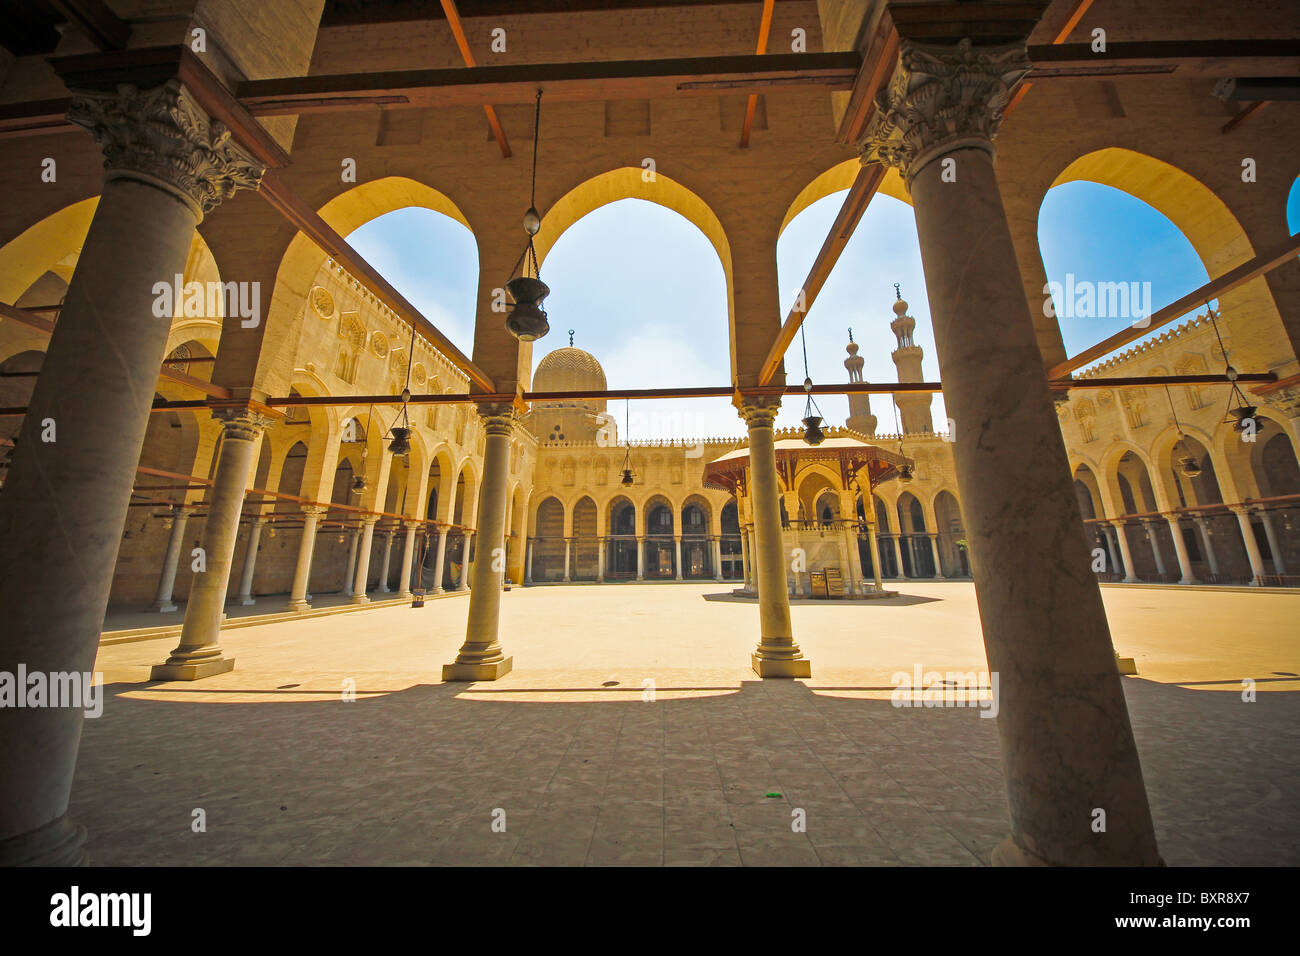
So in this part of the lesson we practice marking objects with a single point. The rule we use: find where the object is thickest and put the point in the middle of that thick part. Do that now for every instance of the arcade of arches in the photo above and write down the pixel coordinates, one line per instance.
(200, 379)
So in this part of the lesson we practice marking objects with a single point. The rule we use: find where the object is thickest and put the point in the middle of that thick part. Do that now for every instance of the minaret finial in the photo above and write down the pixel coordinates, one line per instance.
(897, 292)
(570, 338)
(850, 333)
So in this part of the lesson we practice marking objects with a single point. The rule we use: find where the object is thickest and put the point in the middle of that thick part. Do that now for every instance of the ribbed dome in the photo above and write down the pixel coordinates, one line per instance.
(568, 369)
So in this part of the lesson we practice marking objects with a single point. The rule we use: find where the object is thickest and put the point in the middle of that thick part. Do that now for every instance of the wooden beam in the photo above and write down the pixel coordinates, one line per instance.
(877, 68)
(1244, 115)
(23, 317)
(105, 28)
(1268, 57)
(1262, 263)
(764, 28)
(518, 83)
(855, 204)
(35, 118)
(458, 31)
(190, 381)
(1080, 8)
(275, 191)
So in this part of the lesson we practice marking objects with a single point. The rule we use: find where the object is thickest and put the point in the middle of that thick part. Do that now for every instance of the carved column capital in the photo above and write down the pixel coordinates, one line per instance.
(241, 424)
(941, 98)
(498, 418)
(758, 411)
(162, 137)
(313, 509)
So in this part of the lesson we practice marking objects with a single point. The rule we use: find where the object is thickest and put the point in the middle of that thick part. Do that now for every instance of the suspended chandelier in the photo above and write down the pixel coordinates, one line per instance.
(527, 320)
(359, 482)
(1244, 412)
(627, 444)
(812, 415)
(1187, 464)
(401, 434)
(905, 474)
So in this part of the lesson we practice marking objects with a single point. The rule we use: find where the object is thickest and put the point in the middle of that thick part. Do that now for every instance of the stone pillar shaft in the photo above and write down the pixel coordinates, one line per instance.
(1063, 725)
(1121, 535)
(1180, 550)
(677, 547)
(250, 561)
(1207, 545)
(467, 548)
(440, 560)
(172, 559)
(386, 566)
(640, 558)
(408, 559)
(302, 570)
(353, 536)
(1274, 545)
(1152, 534)
(1257, 569)
(528, 563)
(362, 578)
(568, 552)
(874, 543)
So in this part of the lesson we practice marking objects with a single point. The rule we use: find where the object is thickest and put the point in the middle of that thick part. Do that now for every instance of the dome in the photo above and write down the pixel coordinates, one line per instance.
(570, 370)
(900, 306)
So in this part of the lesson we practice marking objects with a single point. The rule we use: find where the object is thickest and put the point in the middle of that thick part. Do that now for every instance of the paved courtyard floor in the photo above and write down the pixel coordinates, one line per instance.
(566, 761)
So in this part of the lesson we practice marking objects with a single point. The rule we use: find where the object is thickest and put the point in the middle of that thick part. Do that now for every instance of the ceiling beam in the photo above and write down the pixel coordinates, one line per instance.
(462, 42)
(1081, 7)
(764, 28)
(561, 82)
(276, 192)
(1271, 57)
(23, 317)
(1243, 115)
(105, 28)
(1262, 263)
(877, 67)
(855, 204)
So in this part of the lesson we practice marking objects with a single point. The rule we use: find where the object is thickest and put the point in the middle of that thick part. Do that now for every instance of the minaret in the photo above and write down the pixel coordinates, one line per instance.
(913, 406)
(860, 418)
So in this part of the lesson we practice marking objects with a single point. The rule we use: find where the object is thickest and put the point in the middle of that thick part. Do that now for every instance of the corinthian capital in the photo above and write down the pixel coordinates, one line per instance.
(161, 136)
(942, 98)
(498, 418)
(758, 411)
(241, 424)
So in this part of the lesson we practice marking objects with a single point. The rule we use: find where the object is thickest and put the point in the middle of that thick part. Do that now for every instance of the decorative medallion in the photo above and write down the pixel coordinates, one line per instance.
(322, 303)
(419, 375)
(379, 344)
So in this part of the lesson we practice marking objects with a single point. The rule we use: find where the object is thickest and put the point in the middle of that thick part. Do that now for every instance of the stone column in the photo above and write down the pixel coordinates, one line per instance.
(873, 540)
(250, 561)
(777, 655)
(440, 559)
(467, 548)
(172, 559)
(1180, 549)
(408, 560)
(640, 558)
(481, 657)
(568, 548)
(600, 560)
(353, 535)
(1116, 560)
(306, 548)
(677, 545)
(744, 559)
(1257, 569)
(1063, 726)
(528, 564)
(1130, 572)
(1206, 544)
(361, 578)
(1152, 532)
(1274, 545)
(166, 164)
(385, 565)
(934, 553)
(717, 559)
(198, 654)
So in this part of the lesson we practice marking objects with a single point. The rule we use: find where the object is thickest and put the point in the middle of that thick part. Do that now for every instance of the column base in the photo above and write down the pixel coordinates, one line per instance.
(248, 601)
(403, 595)
(437, 590)
(458, 671)
(298, 606)
(165, 608)
(1189, 581)
(191, 670)
(58, 843)
(781, 667)
(360, 599)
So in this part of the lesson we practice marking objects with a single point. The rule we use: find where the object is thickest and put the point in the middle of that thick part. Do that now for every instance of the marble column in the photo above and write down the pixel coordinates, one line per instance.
(1153, 534)
(166, 166)
(777, 654)
(874, 543)
(1063, 725)
(677, 545)
(298, 596)
(1180, 550)
(1257, 568)
(440, 559)
(717, 559)
(1274, 544)
(171, 560)
(250, 561)
(744, 559)
(385, 565)
(408, 559)
(348, 570)
(640, 558)
(528, 564)
(934, 553)
(481, 657)
(198, 654)
(1121, 535)
(568, 551)
(600, 560)
(1207, 545)
(361, 579)
(465, 568)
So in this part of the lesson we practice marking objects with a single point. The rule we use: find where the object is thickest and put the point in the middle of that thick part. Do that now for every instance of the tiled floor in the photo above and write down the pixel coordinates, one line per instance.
(567, 758)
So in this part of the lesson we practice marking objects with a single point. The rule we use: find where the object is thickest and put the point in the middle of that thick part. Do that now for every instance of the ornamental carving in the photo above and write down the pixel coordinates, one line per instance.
(160, 136)
(418, 375)
(942, 98)
(322, 303)
(379, 344)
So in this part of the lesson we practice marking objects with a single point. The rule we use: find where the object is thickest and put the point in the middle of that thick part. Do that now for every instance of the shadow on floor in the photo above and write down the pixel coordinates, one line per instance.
(901, 600)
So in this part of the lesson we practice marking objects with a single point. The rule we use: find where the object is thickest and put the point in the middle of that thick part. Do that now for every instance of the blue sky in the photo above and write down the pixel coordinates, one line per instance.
(644, 291)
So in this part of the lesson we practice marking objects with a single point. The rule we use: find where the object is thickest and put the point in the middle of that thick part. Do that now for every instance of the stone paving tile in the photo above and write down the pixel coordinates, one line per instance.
(411, 772)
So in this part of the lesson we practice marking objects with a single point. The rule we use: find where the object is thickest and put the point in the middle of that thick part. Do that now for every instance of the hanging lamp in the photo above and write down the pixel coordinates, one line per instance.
(905, 473)
(527, 320)
(1244, 412)
(401, 434)
(1187, 464)
(627, 479)
(812, 415)
(359, 482)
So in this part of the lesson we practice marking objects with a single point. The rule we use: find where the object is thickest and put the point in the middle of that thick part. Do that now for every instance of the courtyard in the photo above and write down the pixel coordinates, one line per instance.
(633, 731)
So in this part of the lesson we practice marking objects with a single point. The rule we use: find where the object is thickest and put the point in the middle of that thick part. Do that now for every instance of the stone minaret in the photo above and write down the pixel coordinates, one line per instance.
(914, 407)
(860, 418)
